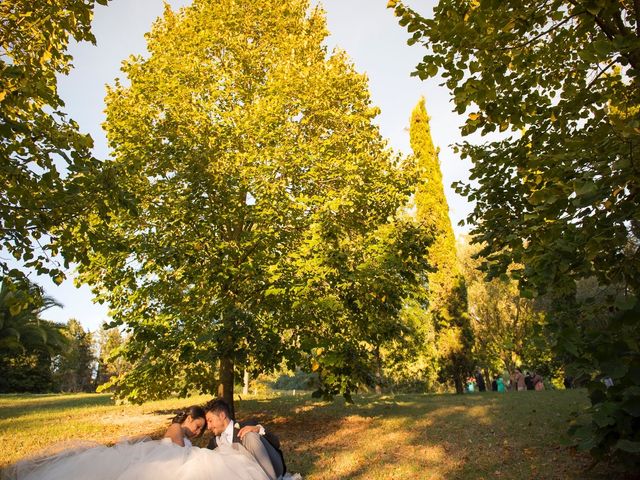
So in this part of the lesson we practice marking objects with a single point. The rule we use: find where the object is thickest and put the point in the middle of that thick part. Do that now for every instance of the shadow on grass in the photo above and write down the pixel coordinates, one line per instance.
(479, 436)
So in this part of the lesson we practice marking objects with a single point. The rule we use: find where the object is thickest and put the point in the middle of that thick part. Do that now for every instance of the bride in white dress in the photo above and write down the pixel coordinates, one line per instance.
(172, 458)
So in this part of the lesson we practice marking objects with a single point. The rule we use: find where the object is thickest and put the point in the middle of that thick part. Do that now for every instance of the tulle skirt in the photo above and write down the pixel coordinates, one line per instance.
(147, 460)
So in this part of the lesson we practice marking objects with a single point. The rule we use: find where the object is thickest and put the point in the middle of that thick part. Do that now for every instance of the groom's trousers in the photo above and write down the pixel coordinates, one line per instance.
(264, 453)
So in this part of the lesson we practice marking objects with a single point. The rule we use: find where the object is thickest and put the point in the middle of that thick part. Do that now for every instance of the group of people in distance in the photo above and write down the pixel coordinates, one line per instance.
(528, 381)
(517, 382)
(236, 451)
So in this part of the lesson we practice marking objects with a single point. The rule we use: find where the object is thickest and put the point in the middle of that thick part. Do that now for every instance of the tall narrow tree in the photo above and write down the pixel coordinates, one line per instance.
(447, 291)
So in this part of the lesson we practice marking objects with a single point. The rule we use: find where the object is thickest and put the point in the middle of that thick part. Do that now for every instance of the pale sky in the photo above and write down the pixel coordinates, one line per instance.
(365, 29)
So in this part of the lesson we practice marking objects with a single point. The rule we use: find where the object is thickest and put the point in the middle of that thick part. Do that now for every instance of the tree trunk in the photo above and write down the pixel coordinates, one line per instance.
(245, 385)
(457, 380)
(225, 387)
(378, 371)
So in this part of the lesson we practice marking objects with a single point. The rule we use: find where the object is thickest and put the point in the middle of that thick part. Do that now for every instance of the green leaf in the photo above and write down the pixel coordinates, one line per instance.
(632, 407)
(628, 302)
(614, 368)
(627, 446)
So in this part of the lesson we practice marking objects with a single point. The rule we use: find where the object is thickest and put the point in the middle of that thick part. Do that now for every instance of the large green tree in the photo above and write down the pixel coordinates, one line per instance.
(556, 188)
(243, 140)
(48, 178)
(447, 290)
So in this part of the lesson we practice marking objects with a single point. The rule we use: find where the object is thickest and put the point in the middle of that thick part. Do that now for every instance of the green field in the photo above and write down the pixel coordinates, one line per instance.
(479, 436)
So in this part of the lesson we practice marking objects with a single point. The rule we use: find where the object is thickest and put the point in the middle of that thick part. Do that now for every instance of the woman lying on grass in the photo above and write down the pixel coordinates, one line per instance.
(172, 458)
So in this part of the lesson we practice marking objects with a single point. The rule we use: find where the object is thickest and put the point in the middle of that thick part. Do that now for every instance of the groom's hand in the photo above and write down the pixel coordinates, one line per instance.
(250, 428)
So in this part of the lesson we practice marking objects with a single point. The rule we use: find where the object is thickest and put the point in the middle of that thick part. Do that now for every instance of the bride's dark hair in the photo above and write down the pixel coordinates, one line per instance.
(194, 411)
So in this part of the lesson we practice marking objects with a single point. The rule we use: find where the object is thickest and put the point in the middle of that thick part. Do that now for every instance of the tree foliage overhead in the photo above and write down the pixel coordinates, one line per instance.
(557, 187)
(560, 79)
(250, 149)
(447, 291)
(47, 177)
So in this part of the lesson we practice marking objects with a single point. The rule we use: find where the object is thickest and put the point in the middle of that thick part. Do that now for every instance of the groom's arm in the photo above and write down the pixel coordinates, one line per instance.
(253, 426)
(257, 428)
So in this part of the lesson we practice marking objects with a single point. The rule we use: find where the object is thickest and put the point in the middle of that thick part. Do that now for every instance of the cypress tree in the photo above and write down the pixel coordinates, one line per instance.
(447, 291)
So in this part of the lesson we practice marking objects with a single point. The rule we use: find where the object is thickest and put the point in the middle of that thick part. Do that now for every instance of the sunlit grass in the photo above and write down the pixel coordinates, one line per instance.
(480, 436)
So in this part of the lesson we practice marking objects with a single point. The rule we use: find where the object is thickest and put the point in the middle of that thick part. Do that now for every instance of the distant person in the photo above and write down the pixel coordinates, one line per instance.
(471, 384)
(528, 380)
(500, 384)
(494, 384)
(518, 380)
(480, 382)
(538, 383)
(568, 382)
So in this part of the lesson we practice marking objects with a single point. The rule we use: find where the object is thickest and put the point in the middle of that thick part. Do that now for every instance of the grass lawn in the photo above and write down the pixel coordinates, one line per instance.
(478, 436)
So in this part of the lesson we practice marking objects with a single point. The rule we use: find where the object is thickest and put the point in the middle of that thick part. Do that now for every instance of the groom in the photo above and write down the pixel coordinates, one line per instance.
(264, 447)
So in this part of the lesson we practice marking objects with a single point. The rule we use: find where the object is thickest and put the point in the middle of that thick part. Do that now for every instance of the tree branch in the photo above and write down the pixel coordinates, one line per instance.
(600, 73)
(542, 34)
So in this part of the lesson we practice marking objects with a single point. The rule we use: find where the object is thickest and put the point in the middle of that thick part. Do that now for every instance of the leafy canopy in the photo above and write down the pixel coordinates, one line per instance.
(560, 79)
(48, 175)
(249, 148)
(557, 85)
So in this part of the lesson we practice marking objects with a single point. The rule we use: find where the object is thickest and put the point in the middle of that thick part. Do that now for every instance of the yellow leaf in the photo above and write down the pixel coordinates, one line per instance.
(474, 116)
(509, 26)
(46, 56)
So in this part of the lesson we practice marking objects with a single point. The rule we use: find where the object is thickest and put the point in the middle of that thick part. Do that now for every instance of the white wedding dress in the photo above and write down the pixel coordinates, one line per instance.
(146, 460)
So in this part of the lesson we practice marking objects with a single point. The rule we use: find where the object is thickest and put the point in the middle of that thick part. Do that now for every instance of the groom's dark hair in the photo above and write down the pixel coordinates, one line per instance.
(218, 405)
